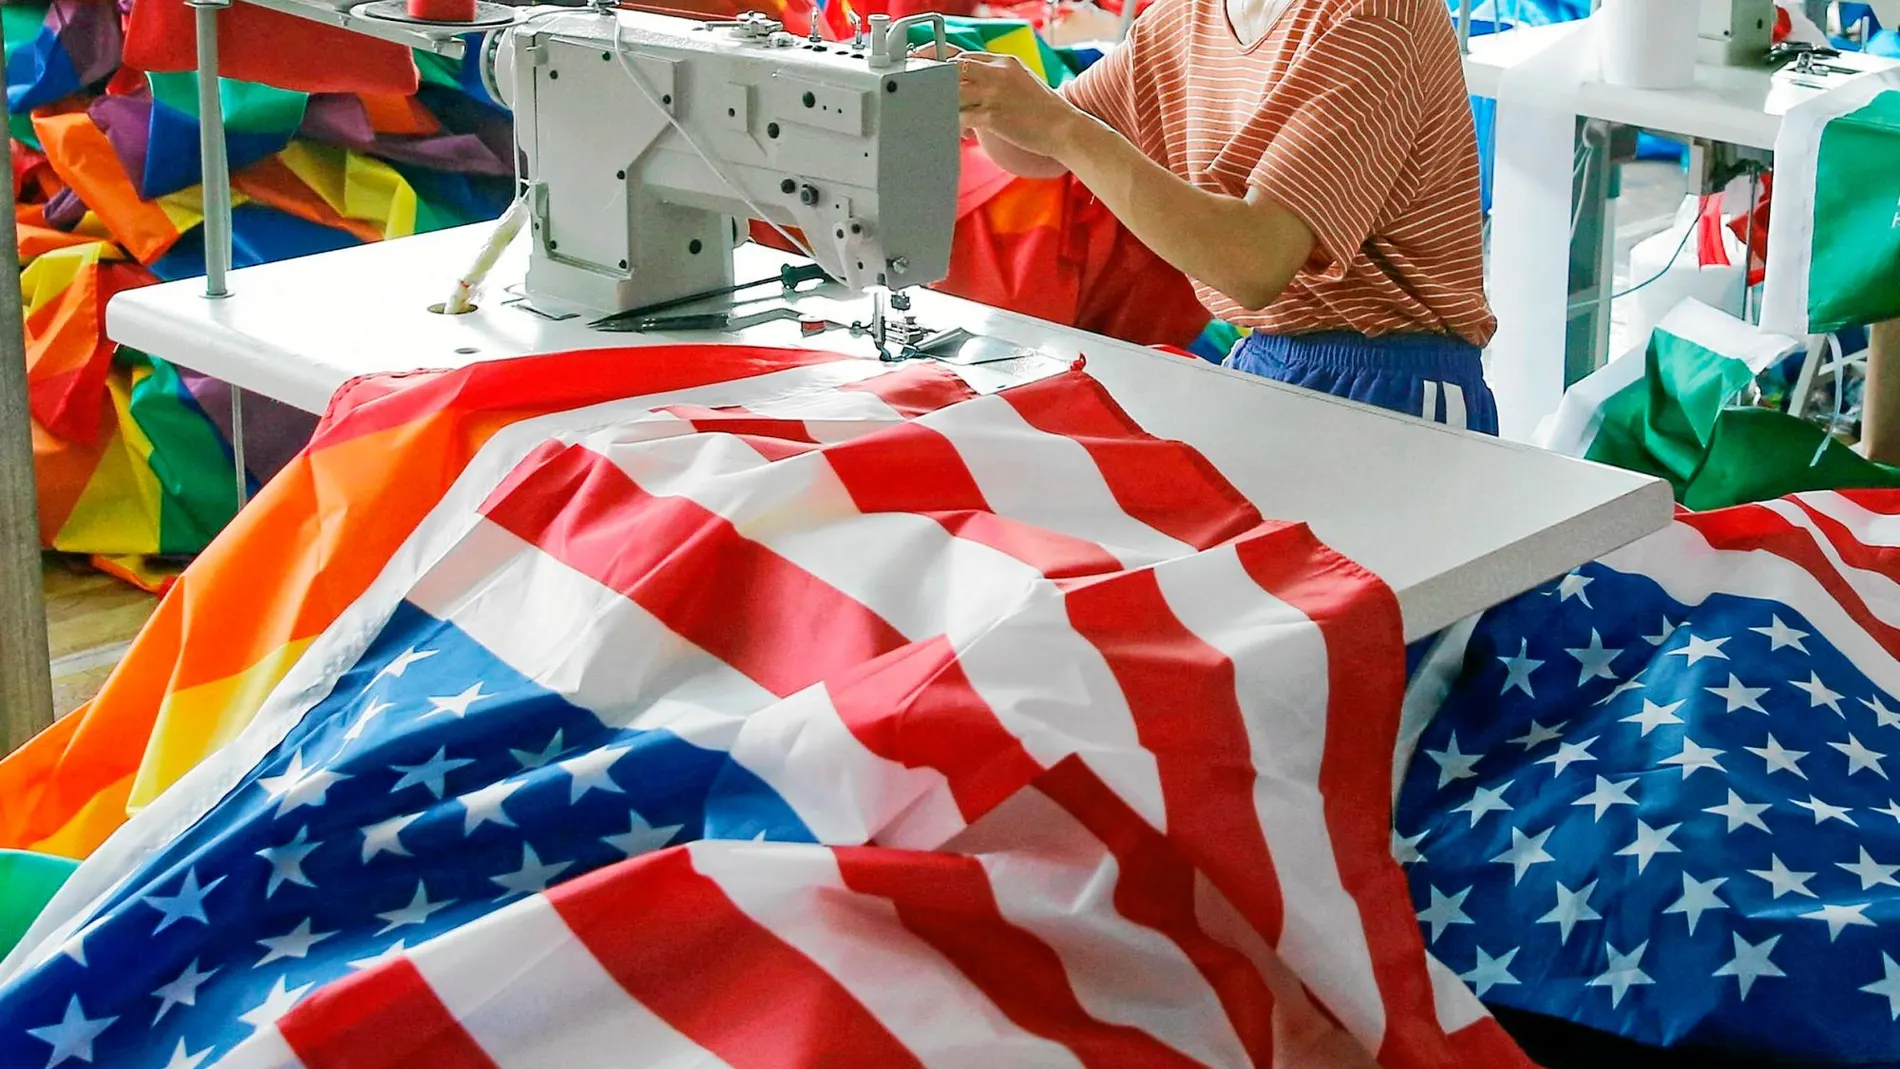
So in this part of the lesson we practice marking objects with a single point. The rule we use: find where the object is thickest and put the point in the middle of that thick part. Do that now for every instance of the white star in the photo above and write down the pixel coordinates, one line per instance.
(1572, 586)
(294, 944)
(72, 1037)
(484, 806)
(299, 786)
(1698, 898)
(1569, 753)
(1518, 669)
(357, 726)
(1608, 794)
(432, 773)
(1824, 812)
(1624, 972)
(181, 992)
(1485, 800)
(1490, 972)
(590, 771)
(1779, 759)
(75, 946)
(1892, 810)
(1871, 872)
(530, 760)
(1888, 986)
(286, 861)
(1819, 694)
(281, 998)
(187, 904)
(1839, 917)
(1699, 648)
(386, 838)
(1751, 963)
(457, 704)
(1594, 660)
(1621, 689)
(1405, 851)
(1668, 629)
(1860, 758)
(1525, 851)
(1738, 697)
(402, 662)
(1444, 911)
(533, 877)
(1573, 907)
(1784, 881)
(1695, 757)
(394, 951)
(643, 838)
(1886, 717)
(1452, 764)
(1535, 737)
(418, 911)
(1654, 716)
(1740, 812)
(1650, 842)
(1780, 635)
(184, 1059)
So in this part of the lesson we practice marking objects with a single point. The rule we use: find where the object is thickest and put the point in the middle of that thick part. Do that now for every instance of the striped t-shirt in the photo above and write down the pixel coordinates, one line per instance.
(1353, 115)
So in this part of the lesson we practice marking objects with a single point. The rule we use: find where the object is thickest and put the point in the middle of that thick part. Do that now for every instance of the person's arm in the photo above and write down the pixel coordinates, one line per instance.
(1019, 161)
(1880, 401)
(1247, 249)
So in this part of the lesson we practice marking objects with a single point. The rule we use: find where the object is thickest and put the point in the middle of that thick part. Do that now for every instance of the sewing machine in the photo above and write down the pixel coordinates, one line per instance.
(853, 145)
(1736, 33)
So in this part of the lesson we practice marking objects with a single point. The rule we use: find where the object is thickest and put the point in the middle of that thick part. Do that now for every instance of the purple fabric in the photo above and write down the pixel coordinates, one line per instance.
(339, 119)
(64, 210)
(91, 34)
(274, 432)
(127, 123)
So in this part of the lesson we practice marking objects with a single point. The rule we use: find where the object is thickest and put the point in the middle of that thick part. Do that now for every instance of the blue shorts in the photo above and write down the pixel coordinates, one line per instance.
(1428, 375)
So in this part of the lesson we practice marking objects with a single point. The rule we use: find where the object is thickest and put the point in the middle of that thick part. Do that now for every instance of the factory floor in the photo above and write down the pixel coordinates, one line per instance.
(91, 619)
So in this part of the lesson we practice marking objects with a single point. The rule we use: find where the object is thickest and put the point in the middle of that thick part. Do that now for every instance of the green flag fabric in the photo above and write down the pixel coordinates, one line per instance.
(1834, 252)
(27, 883)
(1669, 409)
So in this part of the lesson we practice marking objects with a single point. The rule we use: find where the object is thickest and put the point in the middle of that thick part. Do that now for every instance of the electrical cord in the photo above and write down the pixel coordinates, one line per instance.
(1646, 283)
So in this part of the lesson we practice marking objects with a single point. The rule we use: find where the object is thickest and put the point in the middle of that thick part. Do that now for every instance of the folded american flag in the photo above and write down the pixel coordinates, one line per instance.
(795, 720)
(1658, 798)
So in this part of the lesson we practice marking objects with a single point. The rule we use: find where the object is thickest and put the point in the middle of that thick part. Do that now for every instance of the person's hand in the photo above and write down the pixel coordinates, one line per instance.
(1000, 96)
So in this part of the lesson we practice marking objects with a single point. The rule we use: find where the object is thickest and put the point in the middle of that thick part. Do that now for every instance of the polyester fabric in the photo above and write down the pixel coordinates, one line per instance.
(1437, 378)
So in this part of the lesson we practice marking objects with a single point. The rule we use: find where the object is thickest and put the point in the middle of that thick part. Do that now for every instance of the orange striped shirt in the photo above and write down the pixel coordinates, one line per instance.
(1353, 115)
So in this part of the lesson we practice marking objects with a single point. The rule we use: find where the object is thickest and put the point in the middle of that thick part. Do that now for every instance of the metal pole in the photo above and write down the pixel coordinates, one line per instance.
(216, 171)
(1464, 27)
(26, 683)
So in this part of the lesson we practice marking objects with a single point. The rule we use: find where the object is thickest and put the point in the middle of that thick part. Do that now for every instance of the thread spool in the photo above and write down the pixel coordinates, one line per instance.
(441, 10)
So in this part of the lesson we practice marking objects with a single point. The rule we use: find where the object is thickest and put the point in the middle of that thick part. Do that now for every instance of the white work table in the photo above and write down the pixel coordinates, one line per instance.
(1453, 521)
(1732, 105)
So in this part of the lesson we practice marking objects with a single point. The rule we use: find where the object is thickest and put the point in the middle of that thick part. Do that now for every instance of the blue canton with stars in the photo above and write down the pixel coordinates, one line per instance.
(1673, 823)
(434, 786)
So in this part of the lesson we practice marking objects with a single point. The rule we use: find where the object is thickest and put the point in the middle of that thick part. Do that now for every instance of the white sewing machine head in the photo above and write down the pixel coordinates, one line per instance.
(648, 140)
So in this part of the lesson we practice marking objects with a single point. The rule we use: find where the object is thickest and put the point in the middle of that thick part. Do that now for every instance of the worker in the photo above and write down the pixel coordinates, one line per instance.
(1310, 164)
(1880, 399)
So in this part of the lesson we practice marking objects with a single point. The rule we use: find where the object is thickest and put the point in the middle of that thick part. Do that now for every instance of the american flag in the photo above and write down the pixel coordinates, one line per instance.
(1659, 796)
(807, 720)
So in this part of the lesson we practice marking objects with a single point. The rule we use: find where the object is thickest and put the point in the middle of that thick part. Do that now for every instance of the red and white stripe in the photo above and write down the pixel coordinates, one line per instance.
(1104, 767)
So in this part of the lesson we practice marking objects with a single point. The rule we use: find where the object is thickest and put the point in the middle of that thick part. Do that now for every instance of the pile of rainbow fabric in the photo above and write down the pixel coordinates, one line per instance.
(134, 461)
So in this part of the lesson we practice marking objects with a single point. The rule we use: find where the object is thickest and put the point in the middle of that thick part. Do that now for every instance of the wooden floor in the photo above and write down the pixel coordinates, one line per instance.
(90, 620)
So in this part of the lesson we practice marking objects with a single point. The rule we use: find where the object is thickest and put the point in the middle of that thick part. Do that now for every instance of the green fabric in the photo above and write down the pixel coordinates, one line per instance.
(190, 460)
(1013, 36)
(1757, 454)
(1854, 266)
(438, 70)
(248, 106)
(27, 883)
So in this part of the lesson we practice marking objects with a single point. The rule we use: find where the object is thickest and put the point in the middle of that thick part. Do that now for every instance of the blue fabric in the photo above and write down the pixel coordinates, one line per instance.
(1390, 372)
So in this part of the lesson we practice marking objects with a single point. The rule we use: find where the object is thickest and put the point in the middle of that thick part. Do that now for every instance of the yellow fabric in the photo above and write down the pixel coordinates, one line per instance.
(95, 821)
(50, 273)
(1021, 43)
(356, 186)
(120, 505)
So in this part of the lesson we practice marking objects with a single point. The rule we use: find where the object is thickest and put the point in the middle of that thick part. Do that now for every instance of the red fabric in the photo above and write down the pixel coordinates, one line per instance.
(259, 45)
(1758, 251)
(1711, 251)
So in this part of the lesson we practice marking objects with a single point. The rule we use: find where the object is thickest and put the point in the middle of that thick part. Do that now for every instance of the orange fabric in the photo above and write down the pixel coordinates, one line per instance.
(392, 113)
(1351, 114)
(256, 44)
(64, 468)
(86, 161)
(68, 354)
(37, 240)
(271, 183)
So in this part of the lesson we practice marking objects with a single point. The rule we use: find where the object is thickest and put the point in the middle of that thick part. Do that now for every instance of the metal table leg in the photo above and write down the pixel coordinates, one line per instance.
(216, 176)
